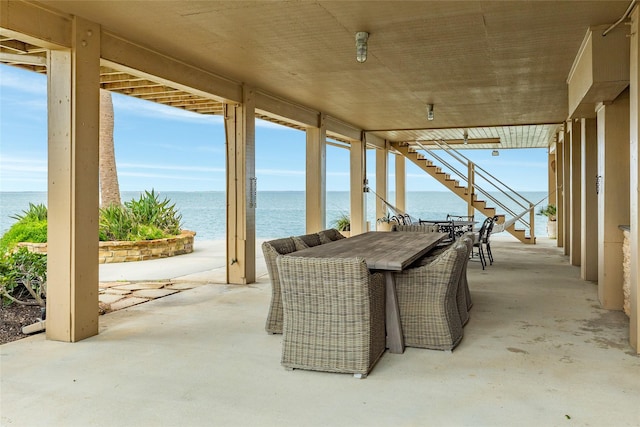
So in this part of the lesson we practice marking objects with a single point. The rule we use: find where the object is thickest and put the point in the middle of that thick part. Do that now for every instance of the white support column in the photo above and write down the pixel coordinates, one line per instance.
(613, 197)
(382, 173)
(551, 173)
(241, 190)
(634, 175)
(358, 208)
(560, 190)
(589, 201)
(401, 183)
(316, 176)
(566, 186)
(575, 196)
(72, 267)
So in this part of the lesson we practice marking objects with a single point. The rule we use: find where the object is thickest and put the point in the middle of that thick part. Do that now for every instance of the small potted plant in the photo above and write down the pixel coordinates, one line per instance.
(343, 224)
(384, 223)
(550, 212)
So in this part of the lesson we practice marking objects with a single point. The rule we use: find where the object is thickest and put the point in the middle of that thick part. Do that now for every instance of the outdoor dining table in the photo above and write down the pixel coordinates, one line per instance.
(387, 252)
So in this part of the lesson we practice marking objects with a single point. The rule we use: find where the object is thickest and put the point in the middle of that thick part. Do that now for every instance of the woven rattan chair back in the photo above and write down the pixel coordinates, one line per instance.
(428, 304)
(330, 234)
(311, 240)
(271, 250)
(322, 296)
(465, 245)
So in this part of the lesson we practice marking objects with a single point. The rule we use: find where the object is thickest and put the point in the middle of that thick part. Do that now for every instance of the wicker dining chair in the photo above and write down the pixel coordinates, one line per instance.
(463, 296)
(271, 250)
(467, 238)
(479, 240)
(334, 314)
(311, 240)
(428, 304)
(420, 228)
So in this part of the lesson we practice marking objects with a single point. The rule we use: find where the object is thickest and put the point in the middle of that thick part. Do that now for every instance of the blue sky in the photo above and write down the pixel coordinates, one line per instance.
(174, 150)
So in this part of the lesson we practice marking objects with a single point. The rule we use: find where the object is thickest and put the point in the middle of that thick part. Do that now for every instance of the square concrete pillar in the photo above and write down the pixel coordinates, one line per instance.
(382, 173)
(589, 201)
(401, 183)
(560, 189)
(73, 152)
(613, 197)
(634, 178)
(241, 190)
(551, 174)
(575, 194)
(566, 186)
(358, 209)
(316, 176)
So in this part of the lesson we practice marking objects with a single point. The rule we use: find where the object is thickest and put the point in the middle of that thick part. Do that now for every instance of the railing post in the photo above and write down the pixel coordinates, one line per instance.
(470, 187)
(532, 226)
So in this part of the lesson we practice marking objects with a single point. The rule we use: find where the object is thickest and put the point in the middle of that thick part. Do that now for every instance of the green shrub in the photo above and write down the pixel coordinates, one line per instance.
(34, 213)
(116, 223)
(24, 231)
(150, 210)
(147, 218)
(23, 278)
(149, 232)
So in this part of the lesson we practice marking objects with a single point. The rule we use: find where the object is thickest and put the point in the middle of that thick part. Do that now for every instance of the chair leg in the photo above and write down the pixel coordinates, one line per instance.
(489, 253)
(481, 254)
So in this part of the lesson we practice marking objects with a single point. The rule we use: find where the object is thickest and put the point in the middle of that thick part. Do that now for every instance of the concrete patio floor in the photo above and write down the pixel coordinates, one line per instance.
(537, 352)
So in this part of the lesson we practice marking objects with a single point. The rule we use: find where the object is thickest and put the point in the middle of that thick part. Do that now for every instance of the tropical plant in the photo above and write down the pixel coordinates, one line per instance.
(23, 278)
(385, 219)
(343, 222)
(34, 213)
(116, 223)
(151, 211)
(549, 211)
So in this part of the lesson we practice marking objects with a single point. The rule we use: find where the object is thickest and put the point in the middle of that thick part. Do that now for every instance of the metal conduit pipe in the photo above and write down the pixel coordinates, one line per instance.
(614, 25)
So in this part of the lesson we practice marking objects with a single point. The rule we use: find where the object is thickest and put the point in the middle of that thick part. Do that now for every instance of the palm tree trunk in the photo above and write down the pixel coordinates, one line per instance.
(109, 187)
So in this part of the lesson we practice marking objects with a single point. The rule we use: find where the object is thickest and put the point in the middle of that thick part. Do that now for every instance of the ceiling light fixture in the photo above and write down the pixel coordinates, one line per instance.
(465, 138)
(430, 111)
(495, 153)
(362, 38)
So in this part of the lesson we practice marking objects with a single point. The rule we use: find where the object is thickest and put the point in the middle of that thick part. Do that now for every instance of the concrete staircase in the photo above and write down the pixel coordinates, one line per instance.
(460, 190)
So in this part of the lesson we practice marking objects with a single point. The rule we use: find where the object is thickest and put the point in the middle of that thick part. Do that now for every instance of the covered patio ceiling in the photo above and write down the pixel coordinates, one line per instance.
(495, 69)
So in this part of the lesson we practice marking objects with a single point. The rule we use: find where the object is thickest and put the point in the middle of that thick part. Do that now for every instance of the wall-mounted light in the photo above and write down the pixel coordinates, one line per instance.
(361, 45)
(430, 111)
(465, 137)
(495, 153)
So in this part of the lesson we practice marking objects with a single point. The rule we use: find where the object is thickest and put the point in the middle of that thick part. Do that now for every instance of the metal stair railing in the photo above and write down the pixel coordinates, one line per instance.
(476, 170)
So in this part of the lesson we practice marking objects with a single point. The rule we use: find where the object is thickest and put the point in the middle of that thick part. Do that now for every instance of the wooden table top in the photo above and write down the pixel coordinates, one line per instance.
(381, 250)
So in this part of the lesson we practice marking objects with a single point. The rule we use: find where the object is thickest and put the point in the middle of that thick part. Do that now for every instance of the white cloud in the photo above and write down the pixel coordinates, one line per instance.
(164, 176)
(122, 166)
(22, 80)
(279, 172)
(23, 164)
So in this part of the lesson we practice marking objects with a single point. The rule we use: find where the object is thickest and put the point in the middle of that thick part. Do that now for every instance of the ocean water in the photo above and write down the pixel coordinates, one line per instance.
(279, 213)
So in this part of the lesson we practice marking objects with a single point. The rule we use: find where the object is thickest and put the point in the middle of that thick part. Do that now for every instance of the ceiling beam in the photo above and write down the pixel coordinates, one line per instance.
(123, 55)
(35, 25)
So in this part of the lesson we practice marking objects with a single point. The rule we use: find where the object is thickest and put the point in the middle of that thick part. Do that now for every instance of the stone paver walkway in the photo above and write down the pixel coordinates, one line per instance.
(114, 296)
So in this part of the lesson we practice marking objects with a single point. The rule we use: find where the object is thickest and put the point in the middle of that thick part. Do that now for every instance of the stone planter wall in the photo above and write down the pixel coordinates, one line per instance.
(109, 252)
